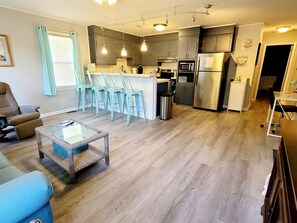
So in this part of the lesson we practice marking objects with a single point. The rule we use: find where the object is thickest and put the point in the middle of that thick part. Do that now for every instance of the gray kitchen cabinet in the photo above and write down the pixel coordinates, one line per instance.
(163, 49)
(150, 57)
(134, 56)
(220, 43)
(218, 39)
(159, 46)
(99, 58)
(167, 48)
(173, 46)
(128, 46)
(184, 93)
(113, 41)
(188, 40)
(111, 58)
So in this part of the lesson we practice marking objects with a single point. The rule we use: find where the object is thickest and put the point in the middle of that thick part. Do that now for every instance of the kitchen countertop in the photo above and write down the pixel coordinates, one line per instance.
(129, 75)
(160, 80)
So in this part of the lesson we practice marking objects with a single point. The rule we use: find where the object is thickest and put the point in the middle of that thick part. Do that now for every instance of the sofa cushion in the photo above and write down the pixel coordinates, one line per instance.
(9, 173)
(3, 161)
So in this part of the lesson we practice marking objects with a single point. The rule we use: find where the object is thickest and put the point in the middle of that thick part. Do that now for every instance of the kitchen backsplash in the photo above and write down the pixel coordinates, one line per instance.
(122, 66)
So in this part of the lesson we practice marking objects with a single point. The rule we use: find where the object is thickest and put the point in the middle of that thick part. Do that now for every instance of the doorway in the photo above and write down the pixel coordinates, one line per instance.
(274, 68)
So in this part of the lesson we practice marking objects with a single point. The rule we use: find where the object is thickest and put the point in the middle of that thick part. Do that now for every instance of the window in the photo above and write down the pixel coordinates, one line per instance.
(61, 49)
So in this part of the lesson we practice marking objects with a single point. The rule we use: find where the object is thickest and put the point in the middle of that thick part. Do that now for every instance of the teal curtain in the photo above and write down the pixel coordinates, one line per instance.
(49, 83)
(78, 67)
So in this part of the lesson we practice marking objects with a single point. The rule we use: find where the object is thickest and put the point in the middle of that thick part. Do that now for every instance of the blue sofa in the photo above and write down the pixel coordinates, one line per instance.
(24, 197)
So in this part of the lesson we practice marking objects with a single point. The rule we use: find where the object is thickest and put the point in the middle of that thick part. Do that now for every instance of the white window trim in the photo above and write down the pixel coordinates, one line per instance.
(62, 34)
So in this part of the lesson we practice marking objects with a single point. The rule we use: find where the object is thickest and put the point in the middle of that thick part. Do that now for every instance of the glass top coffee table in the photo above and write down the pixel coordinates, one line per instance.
(72, 145)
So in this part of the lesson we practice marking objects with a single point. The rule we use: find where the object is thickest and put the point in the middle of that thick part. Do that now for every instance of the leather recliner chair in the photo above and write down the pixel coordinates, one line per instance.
(21, 119)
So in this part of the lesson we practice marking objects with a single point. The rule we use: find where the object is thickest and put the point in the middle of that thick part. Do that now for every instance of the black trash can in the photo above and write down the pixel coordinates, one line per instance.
(166, 105)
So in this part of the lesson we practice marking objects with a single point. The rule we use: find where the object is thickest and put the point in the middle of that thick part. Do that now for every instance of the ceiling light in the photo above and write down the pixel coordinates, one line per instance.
(160, 26)
(110, 2)
(143, 47)
(283, 29)
(104, 50)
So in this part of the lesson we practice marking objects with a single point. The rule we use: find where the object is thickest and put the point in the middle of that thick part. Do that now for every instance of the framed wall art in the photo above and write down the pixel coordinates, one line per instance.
(5, 54)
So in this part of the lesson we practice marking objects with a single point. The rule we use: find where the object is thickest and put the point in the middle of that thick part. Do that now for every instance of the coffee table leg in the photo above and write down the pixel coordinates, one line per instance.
(106, 148)
(71, 166)
(39, 144)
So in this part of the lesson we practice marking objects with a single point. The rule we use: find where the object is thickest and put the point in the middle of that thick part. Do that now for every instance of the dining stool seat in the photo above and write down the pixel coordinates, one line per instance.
(129, 94)
(112, 92)
(82, 89)
(97, 91)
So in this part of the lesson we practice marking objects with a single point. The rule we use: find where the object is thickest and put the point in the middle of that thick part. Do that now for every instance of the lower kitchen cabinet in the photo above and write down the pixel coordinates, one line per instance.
(184, 93)
(280, 199)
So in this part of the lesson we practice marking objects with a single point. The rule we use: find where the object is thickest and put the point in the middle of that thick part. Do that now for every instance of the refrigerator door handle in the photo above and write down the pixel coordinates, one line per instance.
(197, 71)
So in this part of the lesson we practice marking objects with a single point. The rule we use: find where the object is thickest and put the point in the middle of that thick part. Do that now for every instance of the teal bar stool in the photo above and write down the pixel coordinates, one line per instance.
(82, 88)
(97, 90)
(129, 93)
(112, 91)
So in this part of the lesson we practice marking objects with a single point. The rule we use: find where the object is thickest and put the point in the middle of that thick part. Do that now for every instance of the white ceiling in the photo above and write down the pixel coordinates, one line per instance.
(126, 14)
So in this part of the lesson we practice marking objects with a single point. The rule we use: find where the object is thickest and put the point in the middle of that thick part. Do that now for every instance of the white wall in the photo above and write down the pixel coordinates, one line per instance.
(274, 39)
(246, 71)
(25, 77)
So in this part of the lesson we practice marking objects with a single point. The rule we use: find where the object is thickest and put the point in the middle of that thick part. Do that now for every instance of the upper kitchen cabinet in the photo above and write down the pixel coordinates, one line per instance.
(96, 43)
(134, 56)
(188, 42)
(113, 41)
(218, 39)
(167, 45)
(160, 47)
(150, 57)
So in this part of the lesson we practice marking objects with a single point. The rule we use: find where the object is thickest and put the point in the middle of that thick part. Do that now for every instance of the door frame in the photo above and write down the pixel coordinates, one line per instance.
(288, 67)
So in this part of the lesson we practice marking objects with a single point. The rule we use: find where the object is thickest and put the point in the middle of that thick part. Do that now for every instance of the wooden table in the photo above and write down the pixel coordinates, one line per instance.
(280, 204)
(70, 139)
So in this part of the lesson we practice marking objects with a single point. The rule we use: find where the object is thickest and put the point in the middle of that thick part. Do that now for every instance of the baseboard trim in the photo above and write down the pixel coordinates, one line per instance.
(58, 112)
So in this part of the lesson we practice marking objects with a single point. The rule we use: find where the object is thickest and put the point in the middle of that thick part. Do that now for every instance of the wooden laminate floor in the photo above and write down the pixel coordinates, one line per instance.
(199, 166)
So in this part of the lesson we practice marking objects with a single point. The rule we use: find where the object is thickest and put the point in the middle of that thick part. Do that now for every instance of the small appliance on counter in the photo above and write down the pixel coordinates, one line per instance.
(166, 73)
(140, 69)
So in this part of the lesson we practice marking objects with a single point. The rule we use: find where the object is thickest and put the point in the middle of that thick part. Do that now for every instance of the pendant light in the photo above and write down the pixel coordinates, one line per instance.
(143, 47)
(123, 52)
(103, 50)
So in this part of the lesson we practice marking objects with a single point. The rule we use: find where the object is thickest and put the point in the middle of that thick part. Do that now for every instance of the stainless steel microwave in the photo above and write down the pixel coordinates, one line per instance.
(186, 66)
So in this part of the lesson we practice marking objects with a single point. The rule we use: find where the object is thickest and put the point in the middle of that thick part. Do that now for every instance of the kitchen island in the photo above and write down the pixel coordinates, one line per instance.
(145, 82)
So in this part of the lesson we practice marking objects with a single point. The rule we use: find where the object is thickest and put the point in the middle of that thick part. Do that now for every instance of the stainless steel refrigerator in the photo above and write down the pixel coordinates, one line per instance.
(210, 80)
